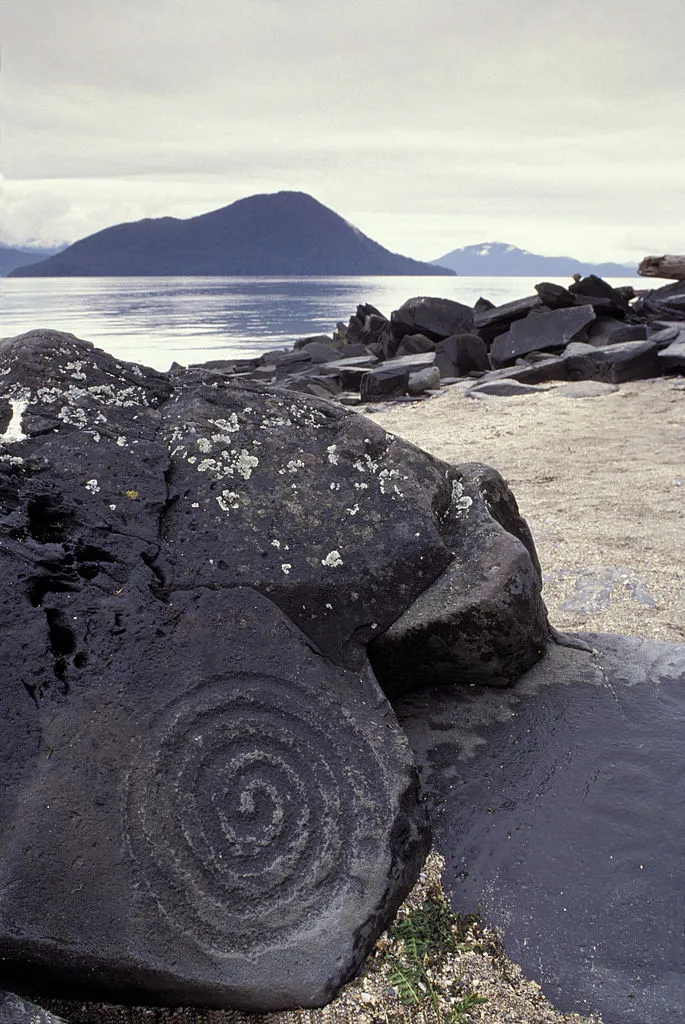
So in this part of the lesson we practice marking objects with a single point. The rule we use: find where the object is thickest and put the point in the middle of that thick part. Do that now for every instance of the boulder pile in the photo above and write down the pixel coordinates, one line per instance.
(588, 331)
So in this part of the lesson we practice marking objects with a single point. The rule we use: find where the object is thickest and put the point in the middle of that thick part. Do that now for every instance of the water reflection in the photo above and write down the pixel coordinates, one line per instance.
(157, 320)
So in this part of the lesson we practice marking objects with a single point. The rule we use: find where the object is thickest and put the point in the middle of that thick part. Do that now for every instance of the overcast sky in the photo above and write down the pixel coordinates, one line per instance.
(429, 124)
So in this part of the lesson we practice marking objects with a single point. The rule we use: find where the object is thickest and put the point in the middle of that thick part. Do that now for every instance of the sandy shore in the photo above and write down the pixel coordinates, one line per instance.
(601, 481)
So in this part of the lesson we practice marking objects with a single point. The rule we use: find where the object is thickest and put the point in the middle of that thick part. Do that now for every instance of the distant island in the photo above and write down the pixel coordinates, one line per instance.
(285, 234)
(498, 259)
(11, 258)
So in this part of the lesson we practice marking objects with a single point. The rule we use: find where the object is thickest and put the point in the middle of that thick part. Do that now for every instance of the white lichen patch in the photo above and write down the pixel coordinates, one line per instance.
(333, 456)
(365, 464)
(228, 500)
(352, 511)
(229, 426)
(73, 416)
(275, 543)
(92, 486)
(459, 502)
(77, 368)
(385, 480)
(14, 430)
(334, 486)
(204, 444)
(121, 442)
(245, 464)
(286, 567)
(294, 465)
(332, 560)
(11, 460)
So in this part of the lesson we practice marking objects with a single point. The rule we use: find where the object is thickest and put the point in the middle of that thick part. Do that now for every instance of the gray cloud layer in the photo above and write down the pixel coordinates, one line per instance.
(429, 124)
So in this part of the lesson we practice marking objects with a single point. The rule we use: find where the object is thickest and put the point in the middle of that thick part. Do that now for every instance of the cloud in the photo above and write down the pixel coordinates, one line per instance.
(558, 122)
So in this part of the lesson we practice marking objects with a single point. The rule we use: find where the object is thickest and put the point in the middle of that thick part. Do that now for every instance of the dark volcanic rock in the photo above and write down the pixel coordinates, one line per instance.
(206, 797)
(551, 330)
(243, 837)
(493, 320)
(667, 303)
(412, 343)
(491, 590)
(554, 296)
(617, 363)
(673, 356)
(435, 318)
(457, 355)
(385, 382)
(558, 805)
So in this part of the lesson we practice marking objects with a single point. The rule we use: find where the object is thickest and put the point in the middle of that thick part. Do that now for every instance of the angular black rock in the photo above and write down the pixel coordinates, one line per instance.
(457, 355)
(673, 356)
(386, 382)
(415, 343)
(558, 805)
(482, 620)
(617, 363)
(164, 540)
(493, 320)
(436, 318)
(552, 330)
(554, 296)
(667, 303)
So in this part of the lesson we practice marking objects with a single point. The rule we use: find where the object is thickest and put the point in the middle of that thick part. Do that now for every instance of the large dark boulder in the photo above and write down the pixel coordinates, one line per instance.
(489, 320)
(667, 303)
(459, 354)
(482, 619)
(558, 805)
(207, 798)
(554, 296)
(549, 331)
(435, 318)
(616, 363)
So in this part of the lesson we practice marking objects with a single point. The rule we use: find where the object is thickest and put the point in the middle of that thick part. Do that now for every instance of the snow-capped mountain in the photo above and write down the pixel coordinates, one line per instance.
(499, 259)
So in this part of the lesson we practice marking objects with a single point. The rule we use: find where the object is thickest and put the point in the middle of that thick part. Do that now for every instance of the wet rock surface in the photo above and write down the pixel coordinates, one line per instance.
(208, 798)
(558, 805)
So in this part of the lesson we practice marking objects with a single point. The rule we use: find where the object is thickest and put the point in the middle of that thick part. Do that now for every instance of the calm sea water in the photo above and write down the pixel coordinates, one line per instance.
(159, 320)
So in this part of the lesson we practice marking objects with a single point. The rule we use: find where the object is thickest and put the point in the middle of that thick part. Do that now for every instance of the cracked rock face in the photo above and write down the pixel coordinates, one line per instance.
(208, 797)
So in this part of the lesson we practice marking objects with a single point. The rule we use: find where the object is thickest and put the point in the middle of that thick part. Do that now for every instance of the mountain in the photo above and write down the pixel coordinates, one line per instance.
(11, 258)
(497, 259)
(286, 234)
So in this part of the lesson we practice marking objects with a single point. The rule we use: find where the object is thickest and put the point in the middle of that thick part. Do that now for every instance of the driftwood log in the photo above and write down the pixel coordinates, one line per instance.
(672, 267)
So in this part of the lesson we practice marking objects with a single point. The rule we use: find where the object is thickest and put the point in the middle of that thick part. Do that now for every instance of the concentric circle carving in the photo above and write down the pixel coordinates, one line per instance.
(248, 808)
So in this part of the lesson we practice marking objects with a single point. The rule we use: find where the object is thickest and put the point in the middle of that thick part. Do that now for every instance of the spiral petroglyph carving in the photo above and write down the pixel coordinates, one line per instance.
(247, 812)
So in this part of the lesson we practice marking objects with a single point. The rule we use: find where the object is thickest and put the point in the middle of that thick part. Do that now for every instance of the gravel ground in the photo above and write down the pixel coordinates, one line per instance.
(601, 482)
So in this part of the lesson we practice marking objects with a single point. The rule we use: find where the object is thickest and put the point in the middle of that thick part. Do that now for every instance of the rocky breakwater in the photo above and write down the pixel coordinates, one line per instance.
(588, 331)
(206, 798)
